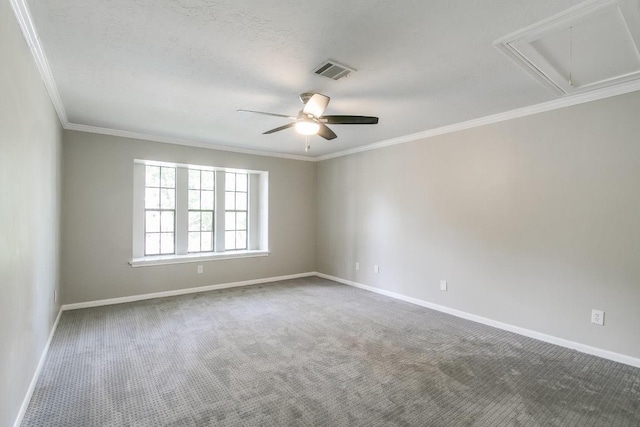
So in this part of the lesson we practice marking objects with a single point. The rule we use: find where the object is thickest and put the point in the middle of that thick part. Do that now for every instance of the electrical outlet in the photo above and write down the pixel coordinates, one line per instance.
(55, 296)
(200, 269)
(597, 317)
(443, 285)
(357, 266)
(376, 269)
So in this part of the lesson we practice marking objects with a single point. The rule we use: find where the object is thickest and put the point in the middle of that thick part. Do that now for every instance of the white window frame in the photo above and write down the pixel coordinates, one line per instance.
(258, 216)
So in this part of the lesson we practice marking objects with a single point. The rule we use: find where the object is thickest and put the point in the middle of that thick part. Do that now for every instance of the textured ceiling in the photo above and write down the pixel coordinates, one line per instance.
(181, 68)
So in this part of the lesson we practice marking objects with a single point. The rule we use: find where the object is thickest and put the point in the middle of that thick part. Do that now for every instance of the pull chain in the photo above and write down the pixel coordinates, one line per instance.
(570, 56)
(307, 147)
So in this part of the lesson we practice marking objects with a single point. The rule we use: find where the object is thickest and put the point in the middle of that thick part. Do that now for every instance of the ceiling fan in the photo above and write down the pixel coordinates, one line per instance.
(311, 121)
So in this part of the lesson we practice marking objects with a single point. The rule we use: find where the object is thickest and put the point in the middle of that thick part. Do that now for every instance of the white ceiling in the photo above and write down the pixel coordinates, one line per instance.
(181, 68)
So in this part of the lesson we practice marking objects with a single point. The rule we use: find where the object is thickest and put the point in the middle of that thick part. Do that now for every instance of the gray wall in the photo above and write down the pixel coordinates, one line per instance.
(97, 219)
(533, 221)
(29, 215)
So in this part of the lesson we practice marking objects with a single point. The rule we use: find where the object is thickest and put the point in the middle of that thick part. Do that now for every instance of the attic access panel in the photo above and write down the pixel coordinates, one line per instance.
(596, 43)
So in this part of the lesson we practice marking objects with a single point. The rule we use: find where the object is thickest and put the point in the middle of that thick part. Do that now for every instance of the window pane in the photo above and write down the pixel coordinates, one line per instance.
(194, 179)
(166, 243)
(229, 220)
(168, 198)
(230, 182)
(241, 182)
(152, 244)
(241, 201)
(230, 200)
(152, 222)
(229, 240)
(207, 180)
(151, 198)
(194, 242)
(194, 221)
(207, 200)
(241, 221)
(194, 199)
(167, 222)
(207, 221)
(241, 240)
(168, 177)
(206, 242)
(152, 178)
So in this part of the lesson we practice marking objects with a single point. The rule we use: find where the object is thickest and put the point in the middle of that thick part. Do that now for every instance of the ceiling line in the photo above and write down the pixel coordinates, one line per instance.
(178, 141)
(23, 16)
(566, 101)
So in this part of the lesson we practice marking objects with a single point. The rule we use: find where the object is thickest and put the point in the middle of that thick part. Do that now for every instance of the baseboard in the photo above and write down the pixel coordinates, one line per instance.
(583, 348)
(36, 374)
(141, 297)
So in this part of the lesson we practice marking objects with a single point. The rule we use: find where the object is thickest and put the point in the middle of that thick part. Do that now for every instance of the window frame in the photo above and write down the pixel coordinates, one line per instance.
(235, 230)
(200, 210)
(257, 215)
(160, 210)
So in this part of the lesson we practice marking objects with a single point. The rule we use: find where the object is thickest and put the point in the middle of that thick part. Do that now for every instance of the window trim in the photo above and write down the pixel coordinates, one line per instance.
(160, 211)
(258, 216)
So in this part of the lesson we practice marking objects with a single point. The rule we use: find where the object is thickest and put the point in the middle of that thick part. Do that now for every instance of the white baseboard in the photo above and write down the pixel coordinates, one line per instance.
(583, 348)
(132, 298)
(605, 354)
(36, 374)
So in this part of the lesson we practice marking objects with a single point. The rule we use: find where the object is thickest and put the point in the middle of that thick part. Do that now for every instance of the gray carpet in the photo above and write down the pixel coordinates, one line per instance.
(313, 352)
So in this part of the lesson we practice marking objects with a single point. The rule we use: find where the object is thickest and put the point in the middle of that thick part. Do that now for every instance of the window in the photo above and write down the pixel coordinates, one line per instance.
(184, 213)
(160, 210)
(235, 202)
(201, 202)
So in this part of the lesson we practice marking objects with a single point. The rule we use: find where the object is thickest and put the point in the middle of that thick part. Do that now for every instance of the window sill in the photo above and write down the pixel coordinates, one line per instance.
(182, 259)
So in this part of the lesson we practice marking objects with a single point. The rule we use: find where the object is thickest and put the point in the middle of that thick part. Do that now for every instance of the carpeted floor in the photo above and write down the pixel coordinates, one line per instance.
(315, 353)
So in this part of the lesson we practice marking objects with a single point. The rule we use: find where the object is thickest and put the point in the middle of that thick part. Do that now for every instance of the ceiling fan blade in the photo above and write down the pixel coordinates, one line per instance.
(349, 120)
(325, 132)
(316, 105)
(267, 114)
(287, 126)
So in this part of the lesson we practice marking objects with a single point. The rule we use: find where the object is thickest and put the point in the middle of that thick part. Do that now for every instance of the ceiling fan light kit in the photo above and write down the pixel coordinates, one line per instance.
(307, 127)
(311, 121)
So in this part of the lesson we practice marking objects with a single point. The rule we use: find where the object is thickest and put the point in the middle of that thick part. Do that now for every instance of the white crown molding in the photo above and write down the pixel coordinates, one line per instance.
(566, 101)
(186, 142)
(583, 348)
(36, 374)
(23, 16)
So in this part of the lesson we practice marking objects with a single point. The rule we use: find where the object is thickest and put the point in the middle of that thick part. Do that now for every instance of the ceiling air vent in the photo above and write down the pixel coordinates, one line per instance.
(332, 70)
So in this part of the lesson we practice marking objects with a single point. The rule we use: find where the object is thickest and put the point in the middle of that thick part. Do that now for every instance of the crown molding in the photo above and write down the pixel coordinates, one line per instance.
(556, 104)
(23, 16)
(186, 142)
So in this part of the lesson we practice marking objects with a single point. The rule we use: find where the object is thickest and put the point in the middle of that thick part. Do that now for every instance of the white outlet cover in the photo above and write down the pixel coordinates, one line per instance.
(597, 317)
(357, 266)
(376, 269)
(443, 285)
(200, 269)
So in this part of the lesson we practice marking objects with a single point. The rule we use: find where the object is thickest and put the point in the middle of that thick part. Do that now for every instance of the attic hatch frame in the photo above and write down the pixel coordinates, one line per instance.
(518, 45)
